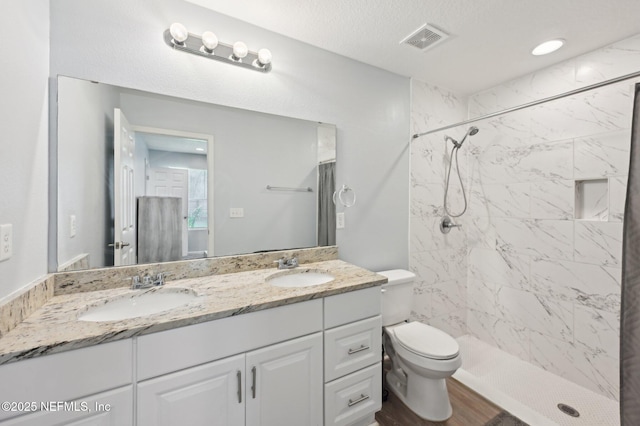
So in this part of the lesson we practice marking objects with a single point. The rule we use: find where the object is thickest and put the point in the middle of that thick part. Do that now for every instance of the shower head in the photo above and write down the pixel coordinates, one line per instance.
(472, 131)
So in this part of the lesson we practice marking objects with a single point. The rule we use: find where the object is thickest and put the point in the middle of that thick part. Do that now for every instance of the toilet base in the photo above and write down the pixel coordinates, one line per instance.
(428, 398)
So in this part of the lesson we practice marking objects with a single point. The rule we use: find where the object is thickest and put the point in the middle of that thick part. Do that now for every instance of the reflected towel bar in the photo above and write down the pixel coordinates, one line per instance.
(285, 188)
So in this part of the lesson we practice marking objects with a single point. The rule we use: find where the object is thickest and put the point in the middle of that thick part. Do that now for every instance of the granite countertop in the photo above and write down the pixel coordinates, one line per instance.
(55, 326)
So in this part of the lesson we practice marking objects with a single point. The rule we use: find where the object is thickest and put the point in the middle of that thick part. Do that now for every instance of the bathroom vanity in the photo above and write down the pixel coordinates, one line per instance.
(244, 353)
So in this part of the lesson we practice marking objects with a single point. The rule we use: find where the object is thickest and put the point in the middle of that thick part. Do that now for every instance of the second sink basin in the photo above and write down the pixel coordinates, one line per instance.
(139, 305)
(299, 278)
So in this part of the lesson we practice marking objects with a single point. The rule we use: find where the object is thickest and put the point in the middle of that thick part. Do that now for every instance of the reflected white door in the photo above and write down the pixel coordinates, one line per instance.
(166, 182)
(124, 197)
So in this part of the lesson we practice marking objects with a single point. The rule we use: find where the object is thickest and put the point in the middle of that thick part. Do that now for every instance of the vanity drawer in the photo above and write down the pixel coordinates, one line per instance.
(353, 397)
(352, 306)
(352, 347)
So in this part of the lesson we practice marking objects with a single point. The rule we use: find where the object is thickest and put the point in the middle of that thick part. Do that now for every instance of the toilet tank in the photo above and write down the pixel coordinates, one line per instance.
(397, 296)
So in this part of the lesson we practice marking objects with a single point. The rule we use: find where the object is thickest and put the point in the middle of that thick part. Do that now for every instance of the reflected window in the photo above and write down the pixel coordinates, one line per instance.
(197, 214)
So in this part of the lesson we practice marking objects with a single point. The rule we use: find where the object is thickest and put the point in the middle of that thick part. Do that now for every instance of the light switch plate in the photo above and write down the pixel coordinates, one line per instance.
(340, 220)
(72, 226)
(6, 242)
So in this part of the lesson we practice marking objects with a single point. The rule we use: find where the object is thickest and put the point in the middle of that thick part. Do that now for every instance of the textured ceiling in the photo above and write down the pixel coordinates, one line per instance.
(490, 40)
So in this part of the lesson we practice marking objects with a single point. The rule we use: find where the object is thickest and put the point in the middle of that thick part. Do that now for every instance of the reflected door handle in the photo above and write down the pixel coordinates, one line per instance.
(119, 244)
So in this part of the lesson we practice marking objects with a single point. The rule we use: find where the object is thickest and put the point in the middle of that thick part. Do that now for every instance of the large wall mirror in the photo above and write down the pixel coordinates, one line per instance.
(147, 178)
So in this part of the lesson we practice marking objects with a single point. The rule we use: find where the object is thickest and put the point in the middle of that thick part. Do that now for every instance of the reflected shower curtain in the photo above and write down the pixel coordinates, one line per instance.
(630, 309)
(326, 208)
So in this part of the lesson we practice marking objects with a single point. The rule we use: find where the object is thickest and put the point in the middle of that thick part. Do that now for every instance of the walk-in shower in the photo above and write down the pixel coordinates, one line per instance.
(531, 286)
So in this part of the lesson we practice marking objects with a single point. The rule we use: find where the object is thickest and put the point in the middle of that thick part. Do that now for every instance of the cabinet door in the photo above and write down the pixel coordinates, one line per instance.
(112, 408)
(284, 383)
(210, 394)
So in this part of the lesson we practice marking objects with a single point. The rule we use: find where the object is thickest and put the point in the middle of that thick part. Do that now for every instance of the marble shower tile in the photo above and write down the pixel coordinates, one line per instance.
(513, 129)
(536, 238)
(592, 286)
(433, 107)
(502, 334)
(481, 296)
(481, 232)
(543, 161)
(530, 163)
(552, 199)
(421, 308)
(426, 199)
(598, 111)
(453, 323)
(449, 296)
(594, 371)
(428, 159)
(545, 315)
(549, 81)
(619, 58)
(500, 200)
(599, 331)
(617, 198)
(598, 243)
(426, 235)
(439, 265)
(499, 267)
(602, 155)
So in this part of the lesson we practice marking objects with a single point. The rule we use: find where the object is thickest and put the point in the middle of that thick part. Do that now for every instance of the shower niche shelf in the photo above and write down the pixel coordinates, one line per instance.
(592, 199)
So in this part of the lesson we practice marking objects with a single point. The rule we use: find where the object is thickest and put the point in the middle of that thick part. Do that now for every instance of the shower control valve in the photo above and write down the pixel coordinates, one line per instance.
(446, 224)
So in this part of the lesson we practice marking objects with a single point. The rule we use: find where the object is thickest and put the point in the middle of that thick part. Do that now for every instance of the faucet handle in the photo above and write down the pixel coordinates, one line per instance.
(160, 277)
(135, 281)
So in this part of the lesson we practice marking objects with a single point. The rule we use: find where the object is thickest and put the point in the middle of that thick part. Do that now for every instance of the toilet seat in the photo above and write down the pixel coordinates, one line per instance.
(426, 341)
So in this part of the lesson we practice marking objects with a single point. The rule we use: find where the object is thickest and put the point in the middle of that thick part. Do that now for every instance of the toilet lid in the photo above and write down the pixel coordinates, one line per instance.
(426, 341)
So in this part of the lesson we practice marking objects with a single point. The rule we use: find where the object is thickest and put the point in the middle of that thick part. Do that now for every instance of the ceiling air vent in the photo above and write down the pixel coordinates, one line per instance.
(425, 37)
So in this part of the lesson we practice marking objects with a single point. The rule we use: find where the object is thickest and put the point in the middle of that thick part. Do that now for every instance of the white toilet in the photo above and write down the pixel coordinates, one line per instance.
(422, 356)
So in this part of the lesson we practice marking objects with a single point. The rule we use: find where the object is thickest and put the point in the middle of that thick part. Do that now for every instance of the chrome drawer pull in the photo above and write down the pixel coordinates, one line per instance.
(360, 349)
(363, 397)
(239, 374)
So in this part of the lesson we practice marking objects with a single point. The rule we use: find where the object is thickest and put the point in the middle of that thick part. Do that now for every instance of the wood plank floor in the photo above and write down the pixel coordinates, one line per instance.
(469, 409)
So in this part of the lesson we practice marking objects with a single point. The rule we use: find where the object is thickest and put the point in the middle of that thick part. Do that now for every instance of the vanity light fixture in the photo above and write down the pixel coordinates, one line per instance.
(210, 47)
(547, 47)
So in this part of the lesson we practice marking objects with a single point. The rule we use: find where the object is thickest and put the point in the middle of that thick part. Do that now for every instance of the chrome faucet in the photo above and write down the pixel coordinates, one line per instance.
(147, 281)
(285, 263)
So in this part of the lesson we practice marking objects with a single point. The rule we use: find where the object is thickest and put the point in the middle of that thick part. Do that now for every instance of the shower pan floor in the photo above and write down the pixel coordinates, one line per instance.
(529, 392)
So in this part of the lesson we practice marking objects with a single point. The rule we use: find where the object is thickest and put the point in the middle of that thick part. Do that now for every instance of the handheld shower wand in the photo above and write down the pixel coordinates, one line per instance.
(456, 147)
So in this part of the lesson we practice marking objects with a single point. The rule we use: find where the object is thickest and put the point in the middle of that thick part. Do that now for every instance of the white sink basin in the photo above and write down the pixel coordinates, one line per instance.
(299, 278)
(145, 303)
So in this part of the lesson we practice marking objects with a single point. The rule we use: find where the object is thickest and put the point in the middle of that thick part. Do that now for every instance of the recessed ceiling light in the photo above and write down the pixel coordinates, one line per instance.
(547, 47)
(199, 149)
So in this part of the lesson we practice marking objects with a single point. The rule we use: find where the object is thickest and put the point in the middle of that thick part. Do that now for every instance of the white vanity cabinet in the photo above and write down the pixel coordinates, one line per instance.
(89, 386)
(210, 394)
(277, 385)
(352, 357)
(262, 368)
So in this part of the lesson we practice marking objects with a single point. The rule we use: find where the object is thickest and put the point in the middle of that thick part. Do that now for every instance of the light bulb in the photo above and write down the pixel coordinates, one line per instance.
(240, 50)
(178, 32)
(264, 56)
(209, 40)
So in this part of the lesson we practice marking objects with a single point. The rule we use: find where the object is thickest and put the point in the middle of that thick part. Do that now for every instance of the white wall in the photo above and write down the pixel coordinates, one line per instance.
(120, 42)
(85, 118)
(24, 140)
